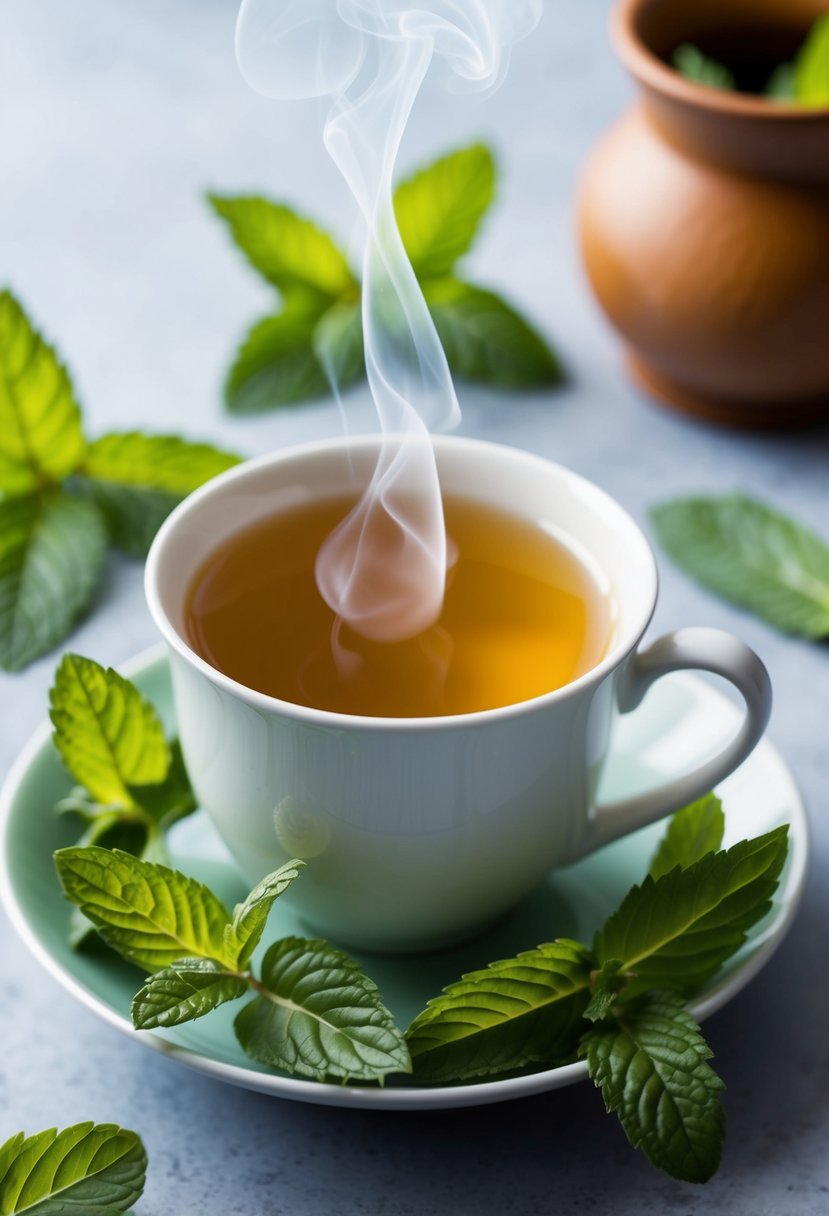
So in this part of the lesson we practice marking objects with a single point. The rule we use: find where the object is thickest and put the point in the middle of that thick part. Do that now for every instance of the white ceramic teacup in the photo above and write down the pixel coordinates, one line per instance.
(420, 831)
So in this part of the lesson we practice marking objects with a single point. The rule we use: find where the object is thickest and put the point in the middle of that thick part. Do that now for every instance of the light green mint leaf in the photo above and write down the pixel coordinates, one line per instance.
(137, 479)
(289, 250)
(692, 832)
(694, 65)
(781, 85)
(150, 914)
(811, 69)
(488, 341)
(653, 1071)
(242, 936)
(187, 990)
(52, 550)
(41, 439)
(516, 1012)
(677, 931)
(338, 344)
(605, 985)
(276, 365)
(108, 735)
(440, 208)
(85, 1170)
(319, 1016)
(752, 555)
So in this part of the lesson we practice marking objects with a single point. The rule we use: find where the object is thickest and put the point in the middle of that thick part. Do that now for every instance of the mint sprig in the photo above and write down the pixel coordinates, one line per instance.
(64, 499)
(88, 1170)
(316, 335)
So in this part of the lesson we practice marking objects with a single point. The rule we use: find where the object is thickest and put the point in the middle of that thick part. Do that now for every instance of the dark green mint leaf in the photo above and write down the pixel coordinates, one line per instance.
(692, 832)
(653, 1071)
(605, 988)
(109, 737)
(52, 549)
(187, 990)
(488, 341)
(693, 65)
(319, 1016)
(516, 1012)
(276, 365)
(752, 555)
(677, 931)
(85, 1170)
(811, 69)
(242, 936)
(41, 440)
(440, 208)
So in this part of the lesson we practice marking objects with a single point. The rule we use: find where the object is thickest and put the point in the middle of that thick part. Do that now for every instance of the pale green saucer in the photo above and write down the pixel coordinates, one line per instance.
(648, 745)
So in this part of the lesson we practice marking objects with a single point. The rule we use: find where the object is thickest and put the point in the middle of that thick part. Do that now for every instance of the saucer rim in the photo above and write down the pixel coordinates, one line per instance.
(479, 1093)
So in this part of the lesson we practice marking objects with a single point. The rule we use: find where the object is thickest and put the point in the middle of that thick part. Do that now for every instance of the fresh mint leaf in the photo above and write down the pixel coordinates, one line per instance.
(677, 931)
(652, 1068)
(52, 549)
(86, 1170)
(811, 69)
(109, 737)
(319, 1016)
(605, 985)
(516, 1012)
(694, 65)
(440, 207)
(276, 365)
(338, 344)
(137, 479)
(289, 250)
(243, 934)
(692, 832)
(752, 555)
(488, 341)
(150, 914)
(41, 440)
(184, 991)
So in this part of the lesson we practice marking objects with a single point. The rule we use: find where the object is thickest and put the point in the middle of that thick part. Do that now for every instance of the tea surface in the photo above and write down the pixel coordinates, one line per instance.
(522, 616)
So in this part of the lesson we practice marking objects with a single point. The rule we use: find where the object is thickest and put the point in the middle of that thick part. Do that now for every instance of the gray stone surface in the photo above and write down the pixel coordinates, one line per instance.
(115, 118)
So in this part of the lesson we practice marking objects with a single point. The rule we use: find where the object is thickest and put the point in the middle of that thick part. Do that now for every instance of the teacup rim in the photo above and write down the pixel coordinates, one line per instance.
(331, 719)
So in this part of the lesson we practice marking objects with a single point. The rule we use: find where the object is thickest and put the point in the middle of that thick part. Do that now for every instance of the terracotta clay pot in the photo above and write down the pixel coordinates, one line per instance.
(704, 219)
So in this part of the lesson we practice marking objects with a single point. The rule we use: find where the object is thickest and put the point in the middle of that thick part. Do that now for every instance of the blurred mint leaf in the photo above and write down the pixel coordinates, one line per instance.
(652, 1068)
(701, 69)
(440, 207)
(751, 555)
(486, 340)
(289, 250)
(41, 440)
(184, 991)
(86, 1170)
(243, 934)
(276, 365)
(811, 68)
(52, 550)
(318, 1015)
(515, 1012)
(338, 344)
(781, 84)
(150, 914)
(109, 737)
(676, 931)
(691, 833)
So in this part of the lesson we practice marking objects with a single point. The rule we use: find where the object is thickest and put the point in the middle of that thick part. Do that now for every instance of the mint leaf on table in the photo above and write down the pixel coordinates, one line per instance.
(86, 1170)
(244, 932)
(184, 991)
(137, 479)
(276, 365)
(701, 69)
(811, 68)
(319, 1016)
(516, 1012)
(652, 1067)
(41, 440)
(691, 833)
(109, 737)
(439, 208)
(486, 340)
(753, 556)
(52, 549)
(152, 915)
(676, 931)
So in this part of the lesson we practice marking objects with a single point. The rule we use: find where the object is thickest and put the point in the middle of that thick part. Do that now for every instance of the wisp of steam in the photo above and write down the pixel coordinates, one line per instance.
(383, 569)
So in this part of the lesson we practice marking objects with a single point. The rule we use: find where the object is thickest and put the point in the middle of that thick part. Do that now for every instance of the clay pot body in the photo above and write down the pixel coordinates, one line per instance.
(704, 219)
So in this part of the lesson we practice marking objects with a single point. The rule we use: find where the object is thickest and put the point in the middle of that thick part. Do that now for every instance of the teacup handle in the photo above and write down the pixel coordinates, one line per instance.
(701, 650)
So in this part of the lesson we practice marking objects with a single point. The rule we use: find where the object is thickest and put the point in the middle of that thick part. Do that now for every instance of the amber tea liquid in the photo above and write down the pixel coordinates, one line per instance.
(522, 616)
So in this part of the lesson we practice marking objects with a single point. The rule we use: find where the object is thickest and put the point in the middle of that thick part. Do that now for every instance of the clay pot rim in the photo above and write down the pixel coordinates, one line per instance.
(651, 71)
